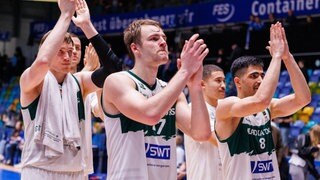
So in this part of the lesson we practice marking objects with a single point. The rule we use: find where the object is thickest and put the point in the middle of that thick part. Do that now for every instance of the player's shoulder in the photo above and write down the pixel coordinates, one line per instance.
(119, 79)
(228, 99)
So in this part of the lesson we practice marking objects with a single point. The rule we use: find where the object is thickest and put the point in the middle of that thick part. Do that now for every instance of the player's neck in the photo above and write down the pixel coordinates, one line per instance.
(74, 70)
(59, 76)
(148, 75)
(211, 101)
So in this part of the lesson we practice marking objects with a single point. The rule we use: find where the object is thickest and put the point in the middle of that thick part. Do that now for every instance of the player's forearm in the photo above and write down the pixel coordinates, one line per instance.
(158, 105)
(298, 81)
(268, 86)
(88, 29)
(109, 61)
(200, 123)
(53, 42)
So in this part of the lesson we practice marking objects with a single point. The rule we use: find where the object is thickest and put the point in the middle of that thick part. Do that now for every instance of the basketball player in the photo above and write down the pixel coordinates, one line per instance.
(52, 99)
(142, 113)
(202, 158)
(243, 124)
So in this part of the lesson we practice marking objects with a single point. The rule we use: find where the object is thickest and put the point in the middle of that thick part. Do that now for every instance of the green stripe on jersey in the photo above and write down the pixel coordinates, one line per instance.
(165, 127)
(252, 139)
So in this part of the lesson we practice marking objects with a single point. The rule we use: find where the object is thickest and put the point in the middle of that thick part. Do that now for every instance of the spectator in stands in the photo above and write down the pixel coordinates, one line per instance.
(51, 95)
(6, 69)
(14, 146)
(180, 150)
(5, 134)
(255, 23)
(291, 19)
(182, 171)
(280, 151)
(284, 123)
(221, 60)
(271, 20)
(306, 149)
(236, 51)
(18, 61)
(2, 124)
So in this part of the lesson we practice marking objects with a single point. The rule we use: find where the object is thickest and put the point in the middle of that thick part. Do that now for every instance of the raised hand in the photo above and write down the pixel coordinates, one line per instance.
(193, 53)
(277, 41)
(91, 59)
(196, 78)
(67, 7)
(83, 13)
(286, 52)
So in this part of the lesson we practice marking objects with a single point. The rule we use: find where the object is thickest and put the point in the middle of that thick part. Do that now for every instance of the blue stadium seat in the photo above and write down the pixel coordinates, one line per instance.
(315, 76)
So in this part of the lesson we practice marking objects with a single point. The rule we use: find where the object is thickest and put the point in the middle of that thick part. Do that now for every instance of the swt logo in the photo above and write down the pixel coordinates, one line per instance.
(157, 152)
(261, 166)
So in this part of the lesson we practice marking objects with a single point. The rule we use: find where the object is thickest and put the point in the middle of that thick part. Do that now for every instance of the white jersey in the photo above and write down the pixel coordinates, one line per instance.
(33, 154)
(89, 102)
(249, 152)
(139, 151)
(202, 158)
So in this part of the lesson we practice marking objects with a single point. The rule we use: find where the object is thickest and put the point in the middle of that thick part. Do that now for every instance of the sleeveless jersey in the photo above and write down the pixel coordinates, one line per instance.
(249, 152)
(139, 151)
(33, 153)
(202, 158)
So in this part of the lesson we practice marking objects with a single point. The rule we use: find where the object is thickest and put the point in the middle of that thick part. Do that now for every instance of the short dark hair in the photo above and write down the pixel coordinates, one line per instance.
(208, 69)
(67, 38)
(244, 62)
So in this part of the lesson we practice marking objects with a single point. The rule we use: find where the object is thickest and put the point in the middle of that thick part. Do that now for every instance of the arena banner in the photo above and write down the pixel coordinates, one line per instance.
(227, 11)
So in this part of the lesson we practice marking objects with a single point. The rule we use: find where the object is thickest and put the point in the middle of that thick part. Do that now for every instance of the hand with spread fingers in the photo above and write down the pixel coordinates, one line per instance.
(83, 14)
(193, 53)
(66, 7)
(91, 59)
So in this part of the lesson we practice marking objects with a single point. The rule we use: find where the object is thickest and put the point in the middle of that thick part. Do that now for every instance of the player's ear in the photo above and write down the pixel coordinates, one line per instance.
(202, 84)
(236, 81)
(133, 47)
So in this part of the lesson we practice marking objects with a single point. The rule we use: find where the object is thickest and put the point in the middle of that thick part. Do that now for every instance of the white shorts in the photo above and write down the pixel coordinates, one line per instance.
(32, 173)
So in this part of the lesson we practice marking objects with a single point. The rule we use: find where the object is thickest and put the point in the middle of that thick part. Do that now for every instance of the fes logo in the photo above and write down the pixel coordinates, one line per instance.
(223, 12)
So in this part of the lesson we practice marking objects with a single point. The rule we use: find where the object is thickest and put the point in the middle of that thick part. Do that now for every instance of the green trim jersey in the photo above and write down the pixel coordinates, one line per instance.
(139, 151)
(202, 158)
(249, 152)
(33, 154)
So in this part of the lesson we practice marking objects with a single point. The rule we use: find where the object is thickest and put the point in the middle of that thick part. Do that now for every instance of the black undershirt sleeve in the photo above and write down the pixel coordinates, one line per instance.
(109, 61)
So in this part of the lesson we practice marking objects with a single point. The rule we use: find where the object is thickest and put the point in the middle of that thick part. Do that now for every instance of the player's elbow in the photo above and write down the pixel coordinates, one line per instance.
(262, 102)
(305, 99)
(43, 61)
(152, 119)
(201, 136)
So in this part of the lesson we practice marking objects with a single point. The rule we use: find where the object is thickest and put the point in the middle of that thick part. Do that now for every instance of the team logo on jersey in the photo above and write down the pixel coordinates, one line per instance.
(261, 166)
(157, 151)
(142, 86)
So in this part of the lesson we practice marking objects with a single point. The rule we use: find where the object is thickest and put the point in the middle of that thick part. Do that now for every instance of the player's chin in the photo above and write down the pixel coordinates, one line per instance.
(66, 69)
(221, 95)
(164, 59)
